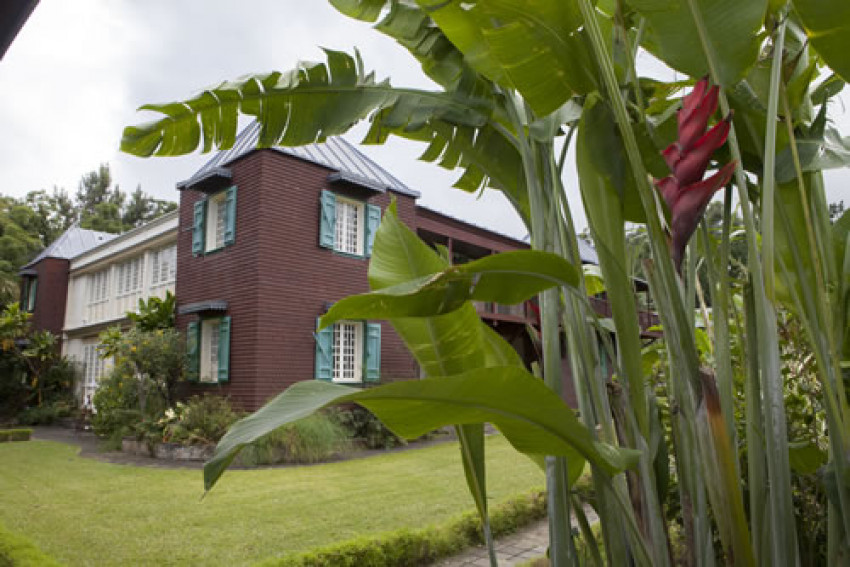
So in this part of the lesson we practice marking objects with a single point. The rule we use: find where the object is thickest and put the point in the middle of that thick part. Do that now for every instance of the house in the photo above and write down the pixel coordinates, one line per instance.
(264, 241)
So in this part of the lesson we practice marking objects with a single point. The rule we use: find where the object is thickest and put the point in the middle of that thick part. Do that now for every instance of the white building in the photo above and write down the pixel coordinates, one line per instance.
(107, 281)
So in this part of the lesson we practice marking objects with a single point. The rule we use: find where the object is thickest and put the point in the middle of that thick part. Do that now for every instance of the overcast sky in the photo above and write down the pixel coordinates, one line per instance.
(78, 70)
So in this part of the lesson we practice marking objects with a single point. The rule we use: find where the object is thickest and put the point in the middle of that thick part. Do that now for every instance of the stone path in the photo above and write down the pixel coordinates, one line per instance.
(511, 550)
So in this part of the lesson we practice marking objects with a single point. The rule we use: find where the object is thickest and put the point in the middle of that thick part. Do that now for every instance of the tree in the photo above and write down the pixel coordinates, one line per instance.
(19, 242)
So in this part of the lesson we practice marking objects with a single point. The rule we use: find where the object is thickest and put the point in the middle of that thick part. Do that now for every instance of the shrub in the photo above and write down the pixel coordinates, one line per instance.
(17, 551)
(310, 440)
(15, 435)
(46, 413)
(202, 420)
(365, 428)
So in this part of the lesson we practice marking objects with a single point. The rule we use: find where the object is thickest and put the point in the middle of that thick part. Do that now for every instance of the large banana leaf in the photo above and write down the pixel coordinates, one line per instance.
(496, 38)
(510, 278)
(732, 27)
(827, 23)
(301, 106)
(533, 418)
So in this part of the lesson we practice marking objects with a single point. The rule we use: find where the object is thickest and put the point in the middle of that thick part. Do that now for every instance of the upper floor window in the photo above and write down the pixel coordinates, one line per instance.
(163, 265)
(130, 276)
(98, 285)
(348, 226)
(214, 225)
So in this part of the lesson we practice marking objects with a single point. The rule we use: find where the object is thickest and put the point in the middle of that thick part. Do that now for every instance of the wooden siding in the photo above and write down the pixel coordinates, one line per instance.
(50, 296)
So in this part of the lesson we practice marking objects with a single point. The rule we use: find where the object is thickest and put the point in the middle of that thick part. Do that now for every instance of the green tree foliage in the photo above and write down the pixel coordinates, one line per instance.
(155, 313)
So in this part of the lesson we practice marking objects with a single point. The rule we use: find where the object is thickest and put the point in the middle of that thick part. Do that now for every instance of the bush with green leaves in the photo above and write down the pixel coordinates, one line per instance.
(310, 440)
(200, 421)
(365, 429)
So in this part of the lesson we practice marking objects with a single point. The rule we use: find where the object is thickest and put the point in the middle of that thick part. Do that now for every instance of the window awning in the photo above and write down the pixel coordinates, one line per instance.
(202, 307)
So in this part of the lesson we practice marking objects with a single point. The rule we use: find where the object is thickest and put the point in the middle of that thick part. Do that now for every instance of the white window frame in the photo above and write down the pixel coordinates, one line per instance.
(94, 370)
(164, 265)
(210, 335)
(350, 226)
(98, 287)
(130, 276)
(215, 222)
(348, 352)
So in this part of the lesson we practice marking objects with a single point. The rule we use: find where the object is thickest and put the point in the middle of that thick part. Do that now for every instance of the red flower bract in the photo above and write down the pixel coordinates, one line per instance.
(685, 191)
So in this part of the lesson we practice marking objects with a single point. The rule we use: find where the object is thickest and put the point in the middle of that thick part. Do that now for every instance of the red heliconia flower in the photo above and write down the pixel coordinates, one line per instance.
(685, 191)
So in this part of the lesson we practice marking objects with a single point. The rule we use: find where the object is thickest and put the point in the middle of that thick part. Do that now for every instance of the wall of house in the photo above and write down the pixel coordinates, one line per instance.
(275, 278)
(51, 294)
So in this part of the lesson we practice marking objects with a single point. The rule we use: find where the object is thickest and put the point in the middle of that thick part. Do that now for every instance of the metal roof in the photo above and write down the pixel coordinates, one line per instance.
(335, 153)
(72, 243)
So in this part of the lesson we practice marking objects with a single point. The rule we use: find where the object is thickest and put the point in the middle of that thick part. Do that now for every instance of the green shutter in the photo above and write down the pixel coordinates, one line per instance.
(324, 353)
(198, 228)
(373, 219)
(224, 349)
(193, 350)
(230, 216)
(372, 368)
(327, 220)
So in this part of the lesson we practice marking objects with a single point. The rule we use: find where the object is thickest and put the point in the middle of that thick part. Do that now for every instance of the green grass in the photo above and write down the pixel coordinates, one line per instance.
(85, 512)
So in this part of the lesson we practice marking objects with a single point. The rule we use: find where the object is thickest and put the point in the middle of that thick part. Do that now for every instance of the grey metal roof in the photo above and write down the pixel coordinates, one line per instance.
(587, 252)
(334, 153)
(72, 243)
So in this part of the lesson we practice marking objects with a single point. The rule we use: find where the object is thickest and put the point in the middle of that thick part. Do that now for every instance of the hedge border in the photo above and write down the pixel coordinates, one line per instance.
(18, 551)
(416, 547)
(7, 435)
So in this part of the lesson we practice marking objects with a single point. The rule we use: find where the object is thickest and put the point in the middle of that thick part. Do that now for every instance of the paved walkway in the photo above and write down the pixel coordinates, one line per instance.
(515, 549)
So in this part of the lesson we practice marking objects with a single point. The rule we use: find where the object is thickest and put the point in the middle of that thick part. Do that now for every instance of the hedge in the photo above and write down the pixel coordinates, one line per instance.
(17, 551)
(416, 547)
(15, 435)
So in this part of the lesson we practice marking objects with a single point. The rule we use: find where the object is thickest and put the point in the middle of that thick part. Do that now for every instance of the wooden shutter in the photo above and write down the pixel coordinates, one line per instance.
(198, 228)
(230, 216)
(373, 219)
(327, 220)
(224, 349)
(193, 350)
(372, 368)
(324, 353)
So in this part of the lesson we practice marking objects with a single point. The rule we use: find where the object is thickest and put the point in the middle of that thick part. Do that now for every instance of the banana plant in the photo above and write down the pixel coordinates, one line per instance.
(519, 82)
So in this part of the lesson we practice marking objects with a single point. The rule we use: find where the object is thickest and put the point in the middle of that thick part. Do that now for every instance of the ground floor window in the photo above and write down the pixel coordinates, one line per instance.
(94, 368)
(349, 352)
(208, 349)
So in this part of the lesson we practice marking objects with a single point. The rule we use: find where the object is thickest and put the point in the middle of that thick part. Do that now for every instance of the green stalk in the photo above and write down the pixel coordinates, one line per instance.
(783, 530)
(556, 469)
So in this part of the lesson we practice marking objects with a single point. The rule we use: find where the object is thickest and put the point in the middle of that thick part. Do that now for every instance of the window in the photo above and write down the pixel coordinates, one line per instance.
(98, 286)
(208, 349)
(93, 370)
(214, 224)
(348, 226)
(130, 276)
(28, 292)
(349, 352)
(163, 265)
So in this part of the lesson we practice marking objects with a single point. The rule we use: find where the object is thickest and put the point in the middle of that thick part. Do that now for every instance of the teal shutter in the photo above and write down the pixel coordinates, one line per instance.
(373, 219)
(198, 228)
(324, 353)
(327, 220)
(224, 349)
(193, 350)
(230, 216)
(372, 370)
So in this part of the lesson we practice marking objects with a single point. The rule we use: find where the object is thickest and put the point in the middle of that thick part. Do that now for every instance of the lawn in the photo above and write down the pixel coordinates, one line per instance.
(85, 512)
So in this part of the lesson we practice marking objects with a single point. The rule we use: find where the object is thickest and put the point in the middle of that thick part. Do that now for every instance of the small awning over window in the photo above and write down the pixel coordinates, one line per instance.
(202, 307)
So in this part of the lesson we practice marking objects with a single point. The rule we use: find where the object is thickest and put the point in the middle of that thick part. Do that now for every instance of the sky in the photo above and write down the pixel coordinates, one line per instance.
(77, 72)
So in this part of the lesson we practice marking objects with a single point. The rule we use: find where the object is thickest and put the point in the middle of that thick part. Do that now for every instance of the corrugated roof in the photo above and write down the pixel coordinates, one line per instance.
(72, 243)
(334, 153)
